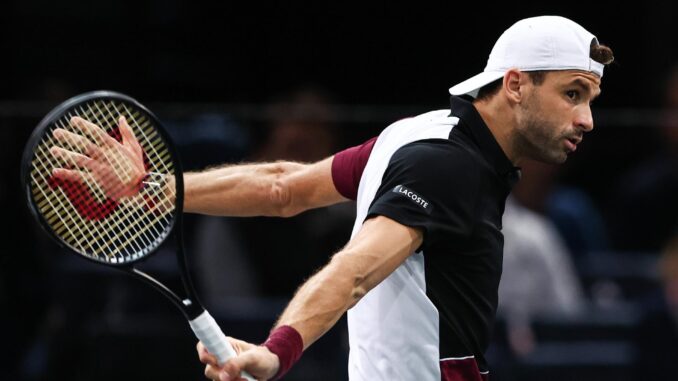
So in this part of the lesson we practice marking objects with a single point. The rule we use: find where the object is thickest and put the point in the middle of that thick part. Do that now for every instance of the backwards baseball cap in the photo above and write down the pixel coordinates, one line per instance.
(536, 43)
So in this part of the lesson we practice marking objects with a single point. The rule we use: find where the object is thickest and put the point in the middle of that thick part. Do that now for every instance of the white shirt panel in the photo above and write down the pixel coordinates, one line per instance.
(393, 330)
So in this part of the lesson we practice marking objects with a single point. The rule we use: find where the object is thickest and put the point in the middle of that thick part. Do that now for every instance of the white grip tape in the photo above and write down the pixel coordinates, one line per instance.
(208, 332)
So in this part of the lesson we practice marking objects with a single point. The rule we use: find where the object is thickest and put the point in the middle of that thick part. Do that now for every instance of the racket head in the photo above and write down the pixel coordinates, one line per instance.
(79, 215)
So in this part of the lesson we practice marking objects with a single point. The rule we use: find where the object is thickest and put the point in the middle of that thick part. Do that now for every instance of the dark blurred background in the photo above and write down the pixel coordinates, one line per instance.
(590, 287)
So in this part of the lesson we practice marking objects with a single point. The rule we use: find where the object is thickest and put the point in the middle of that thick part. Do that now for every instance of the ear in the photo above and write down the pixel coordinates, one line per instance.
(514, 85)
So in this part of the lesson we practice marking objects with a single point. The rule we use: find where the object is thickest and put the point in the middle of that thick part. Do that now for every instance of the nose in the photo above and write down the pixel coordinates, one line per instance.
(584, 119)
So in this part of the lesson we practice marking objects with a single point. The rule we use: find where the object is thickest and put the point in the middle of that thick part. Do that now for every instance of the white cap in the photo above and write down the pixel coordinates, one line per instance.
(537, 43)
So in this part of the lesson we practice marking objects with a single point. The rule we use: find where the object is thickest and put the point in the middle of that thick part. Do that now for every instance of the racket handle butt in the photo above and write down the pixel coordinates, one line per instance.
(208, 332)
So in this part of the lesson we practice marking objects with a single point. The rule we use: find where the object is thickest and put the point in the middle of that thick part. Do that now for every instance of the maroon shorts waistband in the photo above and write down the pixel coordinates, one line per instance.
(461, 369)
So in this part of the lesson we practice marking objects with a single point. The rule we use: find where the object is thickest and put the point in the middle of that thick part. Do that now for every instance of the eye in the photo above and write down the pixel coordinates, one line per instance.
(572, 94)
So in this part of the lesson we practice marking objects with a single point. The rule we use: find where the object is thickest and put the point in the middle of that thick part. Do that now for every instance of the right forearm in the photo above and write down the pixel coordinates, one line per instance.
(239, 190)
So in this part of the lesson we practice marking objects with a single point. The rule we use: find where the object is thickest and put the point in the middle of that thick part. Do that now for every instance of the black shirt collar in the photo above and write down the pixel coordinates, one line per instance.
(471, 123)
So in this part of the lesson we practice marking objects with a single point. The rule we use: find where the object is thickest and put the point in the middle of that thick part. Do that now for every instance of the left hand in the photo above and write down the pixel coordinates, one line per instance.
(117, 167)
(257, 360)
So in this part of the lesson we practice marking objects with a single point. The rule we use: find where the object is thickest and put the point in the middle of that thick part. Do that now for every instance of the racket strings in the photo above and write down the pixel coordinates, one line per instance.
(55, 205)
(141, 127)
(90, 211)
(103, 225)
(59, 211)
(159, 166)
(120, 169)
(153, 142)
(80, 212)
(133, 214)
(116, 164)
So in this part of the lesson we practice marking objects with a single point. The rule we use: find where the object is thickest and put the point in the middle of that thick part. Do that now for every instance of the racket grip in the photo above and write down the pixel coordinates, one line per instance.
(208, 332)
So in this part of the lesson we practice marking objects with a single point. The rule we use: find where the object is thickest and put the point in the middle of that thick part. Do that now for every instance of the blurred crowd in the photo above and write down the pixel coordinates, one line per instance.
(589, 288)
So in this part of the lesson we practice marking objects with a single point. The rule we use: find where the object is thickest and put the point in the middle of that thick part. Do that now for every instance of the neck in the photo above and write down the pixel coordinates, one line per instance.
(499, 119)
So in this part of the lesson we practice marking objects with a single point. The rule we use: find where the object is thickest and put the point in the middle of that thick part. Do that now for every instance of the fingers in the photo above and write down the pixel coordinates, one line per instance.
(205, 356)
(71, 158)
(212, 369)
(128, 138)
(253, 359)
(233, 367)
(104, 176)
(76, 141)
(214, 373)
(70, 175)
(95, 132)
(257, 361)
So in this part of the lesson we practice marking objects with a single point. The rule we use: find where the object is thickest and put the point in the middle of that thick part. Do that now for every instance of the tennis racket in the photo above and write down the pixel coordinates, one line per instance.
(103, 179)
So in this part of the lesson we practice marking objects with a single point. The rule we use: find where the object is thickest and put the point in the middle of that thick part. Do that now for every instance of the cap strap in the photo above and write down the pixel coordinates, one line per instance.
(596, 67)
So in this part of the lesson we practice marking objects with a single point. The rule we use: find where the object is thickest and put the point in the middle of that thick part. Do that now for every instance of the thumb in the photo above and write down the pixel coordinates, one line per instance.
(237, 364)
(128, 138)
(250, 361)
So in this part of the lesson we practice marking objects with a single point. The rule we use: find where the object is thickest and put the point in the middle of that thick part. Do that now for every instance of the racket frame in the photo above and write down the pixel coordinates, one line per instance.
(190, 306)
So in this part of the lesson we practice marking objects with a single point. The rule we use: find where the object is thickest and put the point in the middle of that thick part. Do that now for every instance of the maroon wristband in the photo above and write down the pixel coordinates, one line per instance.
(288, 345)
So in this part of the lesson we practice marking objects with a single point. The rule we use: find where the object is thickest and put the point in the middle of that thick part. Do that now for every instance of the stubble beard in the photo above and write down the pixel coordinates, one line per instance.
(535, 136)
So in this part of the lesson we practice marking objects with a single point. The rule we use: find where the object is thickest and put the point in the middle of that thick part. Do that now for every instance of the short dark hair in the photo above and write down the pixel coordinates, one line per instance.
(489, 90)
(598, 53)
(601, 53)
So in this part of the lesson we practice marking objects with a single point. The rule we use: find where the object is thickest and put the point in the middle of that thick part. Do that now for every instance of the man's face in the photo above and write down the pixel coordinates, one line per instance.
(554, 115)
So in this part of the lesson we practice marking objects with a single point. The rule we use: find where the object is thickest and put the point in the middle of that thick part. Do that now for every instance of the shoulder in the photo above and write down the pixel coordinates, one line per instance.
(438, 168)
(438, 156)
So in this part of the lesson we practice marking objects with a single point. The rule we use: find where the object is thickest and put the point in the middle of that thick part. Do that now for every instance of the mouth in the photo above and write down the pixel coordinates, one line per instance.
(571, 143)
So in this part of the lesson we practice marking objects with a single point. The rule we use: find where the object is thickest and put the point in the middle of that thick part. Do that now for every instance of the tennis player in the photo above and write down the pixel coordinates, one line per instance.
(419, 276)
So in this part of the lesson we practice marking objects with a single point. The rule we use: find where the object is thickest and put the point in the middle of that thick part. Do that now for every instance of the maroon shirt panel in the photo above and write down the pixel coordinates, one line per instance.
(348, 166)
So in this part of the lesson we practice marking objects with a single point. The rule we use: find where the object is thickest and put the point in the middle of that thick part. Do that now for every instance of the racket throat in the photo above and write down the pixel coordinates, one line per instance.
(190, 307)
